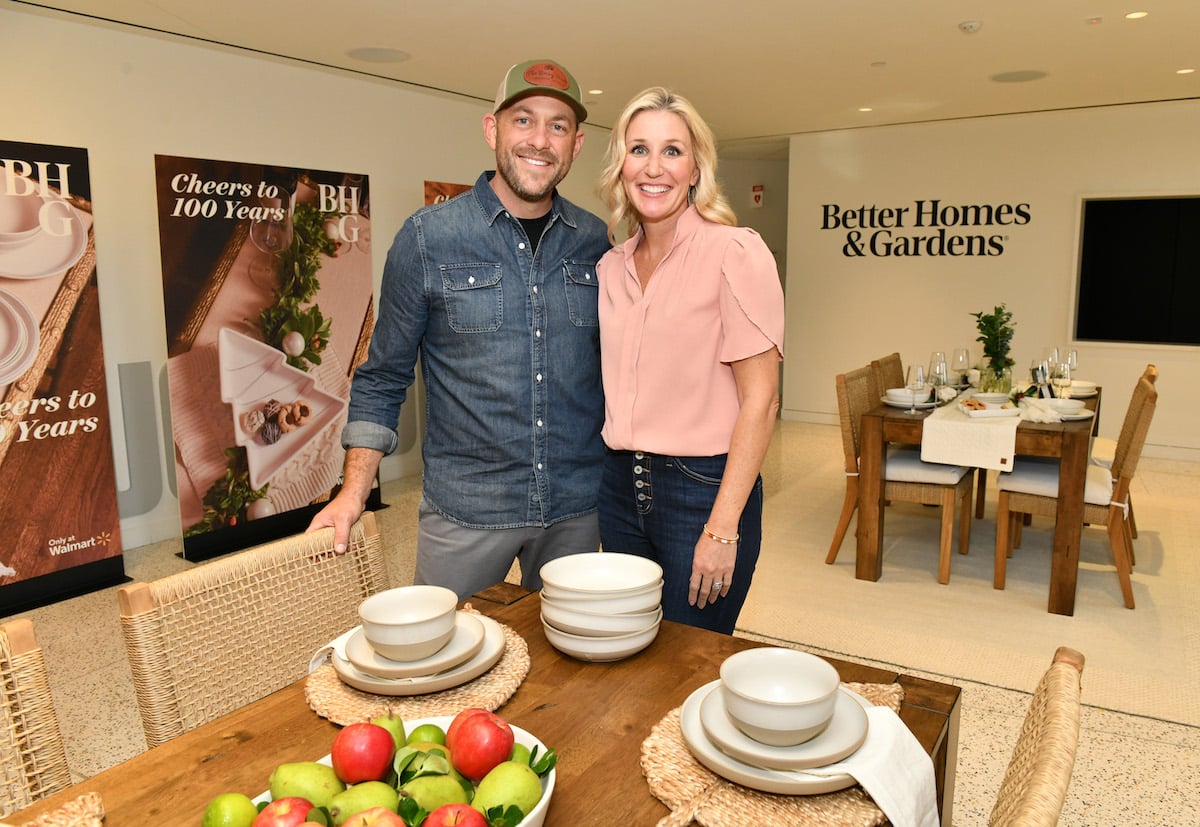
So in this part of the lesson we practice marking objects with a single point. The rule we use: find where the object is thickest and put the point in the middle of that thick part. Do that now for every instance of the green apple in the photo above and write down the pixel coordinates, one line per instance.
(306, 779)
(520, 754)
(230, 810)
(363, 796)
(510, 783)
(432, 791)
(427, 733)
(393, 724)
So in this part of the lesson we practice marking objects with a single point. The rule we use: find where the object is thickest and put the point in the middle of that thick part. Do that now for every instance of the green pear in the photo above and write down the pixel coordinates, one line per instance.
(432, 791)
(510, 783)
(393, 724)
(363, 796)
(306, 779)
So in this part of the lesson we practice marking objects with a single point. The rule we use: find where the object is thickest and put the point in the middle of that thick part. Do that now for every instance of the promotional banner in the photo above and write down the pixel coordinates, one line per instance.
(267, 289)
(58, 521)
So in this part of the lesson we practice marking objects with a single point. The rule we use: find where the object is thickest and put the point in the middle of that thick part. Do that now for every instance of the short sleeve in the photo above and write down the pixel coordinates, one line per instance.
(752, 316)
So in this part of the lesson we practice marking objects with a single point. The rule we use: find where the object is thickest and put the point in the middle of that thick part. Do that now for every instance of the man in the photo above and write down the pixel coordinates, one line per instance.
(496, 290)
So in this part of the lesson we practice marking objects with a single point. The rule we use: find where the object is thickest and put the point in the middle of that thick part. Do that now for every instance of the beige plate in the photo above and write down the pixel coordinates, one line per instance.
(466, 643)
(484, 659)
(1076, 417)
(845, 733)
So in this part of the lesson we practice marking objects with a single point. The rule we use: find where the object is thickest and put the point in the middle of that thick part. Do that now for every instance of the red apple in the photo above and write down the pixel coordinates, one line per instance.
(284, 812)
(375, 817)
(458, 721)
(362, 752)
(480, 742)
(455, 815)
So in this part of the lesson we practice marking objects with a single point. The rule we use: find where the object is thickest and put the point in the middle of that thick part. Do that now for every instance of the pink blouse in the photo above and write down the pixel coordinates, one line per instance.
(665, 355)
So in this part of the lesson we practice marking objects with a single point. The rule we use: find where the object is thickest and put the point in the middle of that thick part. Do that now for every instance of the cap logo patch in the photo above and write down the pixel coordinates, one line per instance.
(547, 74)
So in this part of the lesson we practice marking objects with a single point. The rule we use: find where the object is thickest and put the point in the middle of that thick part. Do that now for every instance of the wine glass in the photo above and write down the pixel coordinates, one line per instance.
(271, 234)
(1060, 380)
(939, 377)
(1073, 360)
(915, 383)
(936, 358)
(961, 363)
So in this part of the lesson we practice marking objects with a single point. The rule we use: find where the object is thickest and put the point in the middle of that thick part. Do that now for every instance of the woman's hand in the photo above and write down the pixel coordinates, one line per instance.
(712, 571)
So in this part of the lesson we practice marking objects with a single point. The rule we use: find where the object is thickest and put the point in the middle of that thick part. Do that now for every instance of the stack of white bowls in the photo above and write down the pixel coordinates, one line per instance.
(601, 606)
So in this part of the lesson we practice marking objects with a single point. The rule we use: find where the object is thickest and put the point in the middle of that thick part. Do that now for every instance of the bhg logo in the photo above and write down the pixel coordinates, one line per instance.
(926, 228)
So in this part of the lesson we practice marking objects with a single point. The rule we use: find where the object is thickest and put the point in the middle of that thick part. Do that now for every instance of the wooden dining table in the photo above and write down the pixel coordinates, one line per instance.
(1066, 441)
(596, 715)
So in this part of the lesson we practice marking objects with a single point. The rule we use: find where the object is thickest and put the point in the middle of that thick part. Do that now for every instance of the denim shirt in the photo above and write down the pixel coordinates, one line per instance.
(510, 356)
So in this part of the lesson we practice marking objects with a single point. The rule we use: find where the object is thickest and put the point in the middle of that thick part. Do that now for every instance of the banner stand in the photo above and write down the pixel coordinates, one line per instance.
(60, 585)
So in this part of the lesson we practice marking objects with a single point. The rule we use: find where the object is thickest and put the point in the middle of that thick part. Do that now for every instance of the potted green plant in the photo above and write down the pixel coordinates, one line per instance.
(995, 334)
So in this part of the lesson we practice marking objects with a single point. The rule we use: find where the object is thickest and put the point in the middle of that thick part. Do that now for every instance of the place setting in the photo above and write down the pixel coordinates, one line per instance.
(779, 721)
(414, 642)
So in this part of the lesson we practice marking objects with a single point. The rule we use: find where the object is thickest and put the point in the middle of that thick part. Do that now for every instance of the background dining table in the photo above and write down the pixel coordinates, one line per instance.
(1066, 441)
(595, 714)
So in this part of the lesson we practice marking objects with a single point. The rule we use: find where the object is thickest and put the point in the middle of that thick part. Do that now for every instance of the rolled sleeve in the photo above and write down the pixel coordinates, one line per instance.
(363, 434)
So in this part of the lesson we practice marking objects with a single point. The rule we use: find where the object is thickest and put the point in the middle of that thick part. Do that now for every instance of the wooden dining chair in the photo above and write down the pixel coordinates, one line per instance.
(1032, 488)
(889, 372)
(33, 760)
(908, 479)
(206, 641)
(1104, 448)
(1039, 771)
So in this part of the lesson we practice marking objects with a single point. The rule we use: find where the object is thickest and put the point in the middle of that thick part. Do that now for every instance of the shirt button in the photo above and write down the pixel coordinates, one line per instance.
(537, 333)
(539, 466)
(587, 276)
(539, 377)
(470, 279)
(539, 423)
(535, 288)
(521, 246)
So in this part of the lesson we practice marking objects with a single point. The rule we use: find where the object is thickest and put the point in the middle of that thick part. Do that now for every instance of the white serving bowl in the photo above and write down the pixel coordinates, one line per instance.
(600, 572)
(643, 600)
(409, 623)
(781, 697)
(908, 396)
(1065, 406)
(991, 398)
(578, 621)
(18, 218)
(1082, 386)
(599, 649)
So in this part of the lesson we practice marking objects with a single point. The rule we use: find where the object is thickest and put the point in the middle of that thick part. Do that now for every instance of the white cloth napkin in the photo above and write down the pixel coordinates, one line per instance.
(893, 768)
(338, 644)
(951, 437)
(1035, 409)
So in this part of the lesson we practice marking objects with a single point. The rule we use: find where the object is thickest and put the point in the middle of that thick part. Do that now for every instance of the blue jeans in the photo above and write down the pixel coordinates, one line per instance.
(655, 506)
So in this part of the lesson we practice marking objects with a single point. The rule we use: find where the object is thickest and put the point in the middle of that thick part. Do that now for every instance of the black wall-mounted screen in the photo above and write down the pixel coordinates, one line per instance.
(1139, 271)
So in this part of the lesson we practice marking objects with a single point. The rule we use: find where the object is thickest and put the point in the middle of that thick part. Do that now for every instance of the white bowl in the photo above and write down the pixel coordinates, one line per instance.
(1067, 406)
(991, 398)
(778, 696)
(600, 572)
(18, 218)
(908, 396)
(409, 623)
(600, 649)
(1082, 386)
(621, 603)
(597, 624)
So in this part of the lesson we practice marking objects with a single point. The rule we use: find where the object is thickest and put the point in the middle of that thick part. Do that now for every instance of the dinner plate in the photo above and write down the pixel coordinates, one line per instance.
(1076, 417)
(920, 406)
(47, 254)
(1088, 394)
(18, 336)
(484, 659)
(253, 373)
(785, 782)
(846, 732)
(465, 643)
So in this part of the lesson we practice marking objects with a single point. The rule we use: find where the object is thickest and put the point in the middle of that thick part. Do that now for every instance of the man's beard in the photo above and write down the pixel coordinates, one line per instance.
(508, 165)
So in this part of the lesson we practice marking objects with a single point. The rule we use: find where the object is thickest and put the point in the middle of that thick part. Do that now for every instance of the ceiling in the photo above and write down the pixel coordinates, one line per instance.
(758, 70)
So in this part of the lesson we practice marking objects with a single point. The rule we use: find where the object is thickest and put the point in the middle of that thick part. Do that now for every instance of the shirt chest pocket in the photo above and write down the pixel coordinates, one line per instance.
(583, 293)
(474, 297)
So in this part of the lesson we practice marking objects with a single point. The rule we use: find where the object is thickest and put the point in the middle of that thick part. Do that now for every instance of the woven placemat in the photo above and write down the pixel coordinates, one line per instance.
(693, 793)
(85, 811)
(342, 704)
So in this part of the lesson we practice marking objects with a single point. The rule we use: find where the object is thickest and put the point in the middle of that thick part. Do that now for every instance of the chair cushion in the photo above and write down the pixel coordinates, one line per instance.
(906, 466)
(1041, 480)
(1104, 450)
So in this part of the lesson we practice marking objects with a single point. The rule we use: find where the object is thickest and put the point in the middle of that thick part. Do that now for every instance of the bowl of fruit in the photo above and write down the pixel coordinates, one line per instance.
(473, 769)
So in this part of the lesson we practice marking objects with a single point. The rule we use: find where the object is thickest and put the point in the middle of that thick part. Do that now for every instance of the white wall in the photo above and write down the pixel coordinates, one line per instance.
(738, 177)
(125, 97)
(844, 311)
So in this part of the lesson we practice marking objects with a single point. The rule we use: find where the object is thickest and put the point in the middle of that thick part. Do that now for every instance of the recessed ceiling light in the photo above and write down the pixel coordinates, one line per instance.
(1184, 71)
(595, 91)
(1019, 76)
(1137, 15)
(865, 109)
(378, 54)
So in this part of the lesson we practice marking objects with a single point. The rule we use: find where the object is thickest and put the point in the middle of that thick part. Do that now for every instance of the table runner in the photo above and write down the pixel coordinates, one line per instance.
(694, 793)
(951, 437)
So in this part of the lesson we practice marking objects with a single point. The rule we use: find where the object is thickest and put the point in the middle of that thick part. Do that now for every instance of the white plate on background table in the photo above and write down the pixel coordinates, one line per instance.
(47, 254)
(19, 336)
(484, 659)
(846, 732)
(1088, 394)
(784, 782)
(920, 406)
(1076, 417)
(465, 643)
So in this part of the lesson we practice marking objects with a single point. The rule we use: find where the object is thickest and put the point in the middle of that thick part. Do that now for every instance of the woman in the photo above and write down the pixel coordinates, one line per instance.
(691, 335)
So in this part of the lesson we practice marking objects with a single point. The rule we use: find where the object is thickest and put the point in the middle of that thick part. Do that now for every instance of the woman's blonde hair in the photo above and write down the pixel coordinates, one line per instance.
(706, 194)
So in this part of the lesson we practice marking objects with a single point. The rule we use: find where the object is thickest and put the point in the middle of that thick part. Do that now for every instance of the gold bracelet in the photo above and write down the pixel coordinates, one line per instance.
(723, 540)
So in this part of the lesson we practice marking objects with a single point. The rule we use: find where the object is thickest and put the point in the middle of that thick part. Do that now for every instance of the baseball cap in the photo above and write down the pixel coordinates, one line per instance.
(540, 77)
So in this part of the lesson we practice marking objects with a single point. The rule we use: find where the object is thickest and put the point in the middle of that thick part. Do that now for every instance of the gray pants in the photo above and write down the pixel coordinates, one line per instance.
(470, 559)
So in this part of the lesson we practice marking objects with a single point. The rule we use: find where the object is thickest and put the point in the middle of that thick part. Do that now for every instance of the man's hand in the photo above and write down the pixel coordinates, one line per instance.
(341, 513)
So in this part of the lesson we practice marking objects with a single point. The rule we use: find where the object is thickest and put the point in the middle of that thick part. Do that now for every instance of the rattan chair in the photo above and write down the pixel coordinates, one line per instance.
(85, 811)
(889, 372)
(206, 641)
(33, 761)
(908, 479)
(1104, 449)
(1031, 488)
(1039, 772)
